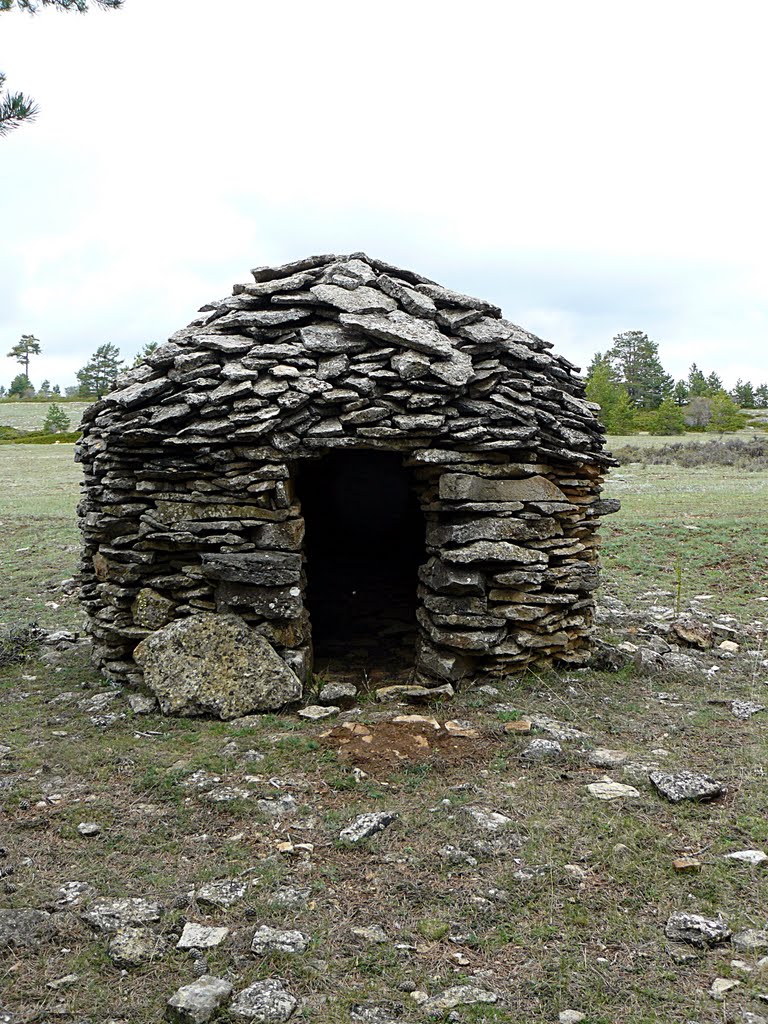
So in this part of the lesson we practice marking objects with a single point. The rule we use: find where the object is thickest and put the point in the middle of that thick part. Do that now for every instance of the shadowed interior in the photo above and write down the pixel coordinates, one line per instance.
(365, 540)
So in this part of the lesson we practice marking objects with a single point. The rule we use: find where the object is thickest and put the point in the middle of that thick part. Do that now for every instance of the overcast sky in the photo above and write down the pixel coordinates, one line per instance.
(593, 167)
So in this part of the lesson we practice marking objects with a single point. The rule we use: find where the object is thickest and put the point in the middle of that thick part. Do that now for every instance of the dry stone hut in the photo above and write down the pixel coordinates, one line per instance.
(347, 455)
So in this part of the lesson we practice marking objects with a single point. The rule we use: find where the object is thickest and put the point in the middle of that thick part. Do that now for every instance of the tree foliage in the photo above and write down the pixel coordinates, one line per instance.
(634, 359)
(725, 414)
(21, 387)
(23, 349)
(668, 419)
(100, 373)
(615, 407)
(56, 420)
(146, 351)
(15, 107)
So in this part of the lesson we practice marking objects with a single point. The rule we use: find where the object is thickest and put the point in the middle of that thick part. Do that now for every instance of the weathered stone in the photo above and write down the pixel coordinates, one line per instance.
(457, 995)
(221, 893)
(400, 328)
(264, 1001)
(197, 1002)
(277, 940)
(215, 664)
(110, 915)
(151, 609)
(696, 930)
(201, 936)
(494, 551)
(462, 487)
(541, 751)
(487, 819)
(366, 825)
(25, 927)
(750, 940)
(686, 785)
(751, 857)
(361, 300)
(132, 947)
(612, 790)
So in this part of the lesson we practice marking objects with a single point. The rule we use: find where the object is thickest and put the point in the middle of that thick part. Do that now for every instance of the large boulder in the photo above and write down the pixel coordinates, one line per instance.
(215, 665)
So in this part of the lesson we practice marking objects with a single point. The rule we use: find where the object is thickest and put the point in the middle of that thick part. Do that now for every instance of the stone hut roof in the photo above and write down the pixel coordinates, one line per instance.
(191, 466)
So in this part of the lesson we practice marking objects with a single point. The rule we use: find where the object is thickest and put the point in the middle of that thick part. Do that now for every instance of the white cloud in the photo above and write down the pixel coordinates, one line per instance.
(593, 167)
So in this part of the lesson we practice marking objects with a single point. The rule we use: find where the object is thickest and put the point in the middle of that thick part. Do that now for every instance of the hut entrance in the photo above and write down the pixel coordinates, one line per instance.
(365, 539)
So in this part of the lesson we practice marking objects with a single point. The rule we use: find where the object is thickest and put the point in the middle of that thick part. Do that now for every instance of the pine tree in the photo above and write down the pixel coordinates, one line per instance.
(761, 396)
(635, 360)
(680, 393)
(714, 383)
(697, 383)
(743, 394)
(23, 349)
(15, 107)
(725, 416)
(21, 387)
(44, 391)
(146, 351)
(56, 420)
(616, 410)
(100, 373)
(668, 419)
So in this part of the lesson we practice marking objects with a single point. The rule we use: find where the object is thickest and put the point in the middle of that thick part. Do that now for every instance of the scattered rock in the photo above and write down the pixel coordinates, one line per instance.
(729, 647)
(751, 857)
(88, 828)
(198, 1002)
(686, 785)
(201, 936)
(487, 819)
(612, 790)
(333, 693)
(276, 940)
(686, 865)
(457, 995)
(571, 1017)
(373, 934)
(750, 940)
(366, 825)
(692, 632)
(107, 915)
(540, 751)
(414, 693)
(25, 927)
(67, 981)
(141, 704)
(216, 665)
(696, 930)
(221, 893)
(380, 1013)
(264, 1001)
(605, 758)
(315, 712)
(132, 947)
(521, 727)
(722, 985)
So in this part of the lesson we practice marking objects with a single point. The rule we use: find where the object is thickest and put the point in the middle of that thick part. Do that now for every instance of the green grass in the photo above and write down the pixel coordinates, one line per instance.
(30, 415)
(39, 539)
(548, 940)
(712, 523)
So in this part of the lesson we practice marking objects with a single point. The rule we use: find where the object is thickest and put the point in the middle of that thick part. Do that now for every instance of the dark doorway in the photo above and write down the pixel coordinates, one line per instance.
(364, 543)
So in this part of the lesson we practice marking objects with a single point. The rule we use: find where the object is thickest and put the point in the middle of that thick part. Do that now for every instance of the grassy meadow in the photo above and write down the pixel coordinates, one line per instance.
(31, 415)
(561, 908)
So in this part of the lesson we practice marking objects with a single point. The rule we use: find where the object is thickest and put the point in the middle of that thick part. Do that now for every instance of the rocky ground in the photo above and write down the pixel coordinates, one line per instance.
(578, 846)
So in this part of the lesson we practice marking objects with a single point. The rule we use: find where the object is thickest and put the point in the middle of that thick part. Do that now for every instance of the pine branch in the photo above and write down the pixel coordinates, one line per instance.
(14, 109)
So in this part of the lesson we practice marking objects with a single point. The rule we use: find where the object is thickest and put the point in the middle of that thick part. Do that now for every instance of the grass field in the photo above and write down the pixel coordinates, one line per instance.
(561, 908)
(30, 415)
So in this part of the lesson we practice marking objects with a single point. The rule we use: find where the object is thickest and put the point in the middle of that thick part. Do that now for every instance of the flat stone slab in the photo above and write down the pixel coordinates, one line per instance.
(107, 915)
(751, 857)
(221, 893)
(201, 936)
(132, 947)
(198, 1002)
(278, 940)
(216, 665)
(612, 791)
(686, 785)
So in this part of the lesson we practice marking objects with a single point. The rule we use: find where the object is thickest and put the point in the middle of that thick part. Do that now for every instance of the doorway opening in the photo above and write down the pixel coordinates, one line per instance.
(365, 539)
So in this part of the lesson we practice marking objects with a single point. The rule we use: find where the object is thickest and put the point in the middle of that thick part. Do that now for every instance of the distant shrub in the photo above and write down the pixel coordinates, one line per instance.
(9, 433)
(56, 420)
(748, 455)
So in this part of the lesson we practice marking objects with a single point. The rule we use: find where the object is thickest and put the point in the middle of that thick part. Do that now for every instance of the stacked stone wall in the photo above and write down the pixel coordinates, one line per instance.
(190, 501)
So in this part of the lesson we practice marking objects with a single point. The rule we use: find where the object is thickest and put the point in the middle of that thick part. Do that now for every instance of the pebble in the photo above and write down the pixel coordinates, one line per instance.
(88, 828)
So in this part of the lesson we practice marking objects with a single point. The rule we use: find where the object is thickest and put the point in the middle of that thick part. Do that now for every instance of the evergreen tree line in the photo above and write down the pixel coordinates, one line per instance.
(635, 392)
(98, 377)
